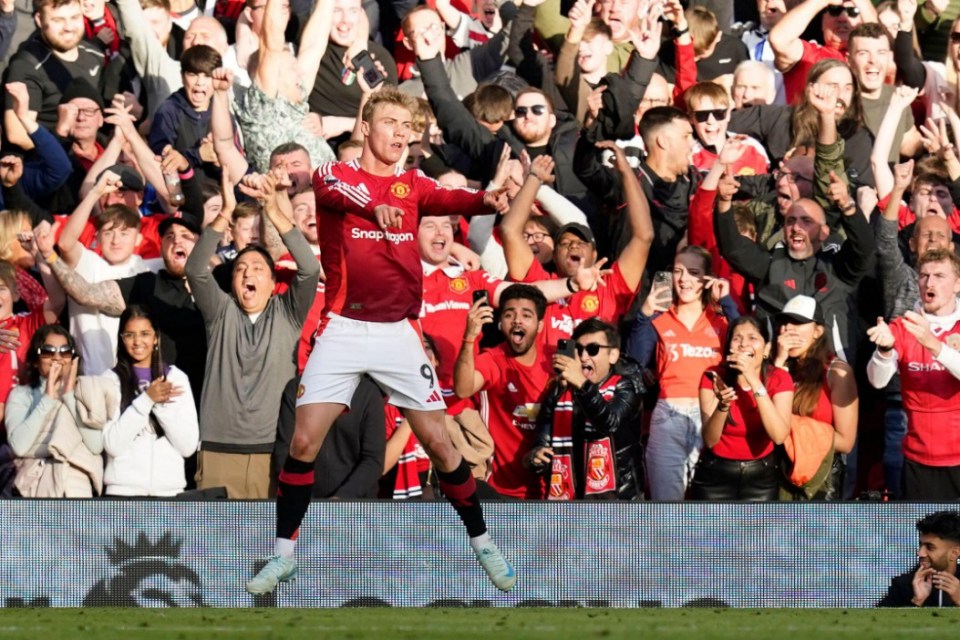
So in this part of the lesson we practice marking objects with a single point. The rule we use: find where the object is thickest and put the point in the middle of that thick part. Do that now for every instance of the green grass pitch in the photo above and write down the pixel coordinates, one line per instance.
(478, 624)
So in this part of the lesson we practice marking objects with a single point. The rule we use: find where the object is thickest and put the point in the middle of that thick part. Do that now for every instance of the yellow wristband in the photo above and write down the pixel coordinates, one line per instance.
(52, 258)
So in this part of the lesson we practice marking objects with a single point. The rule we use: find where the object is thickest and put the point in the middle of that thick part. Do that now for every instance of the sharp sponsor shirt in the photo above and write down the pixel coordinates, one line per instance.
(931, 397)
(375, 275)
(512, 403)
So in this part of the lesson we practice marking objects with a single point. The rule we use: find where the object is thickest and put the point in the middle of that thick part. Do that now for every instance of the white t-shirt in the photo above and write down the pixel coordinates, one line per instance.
(95, 332)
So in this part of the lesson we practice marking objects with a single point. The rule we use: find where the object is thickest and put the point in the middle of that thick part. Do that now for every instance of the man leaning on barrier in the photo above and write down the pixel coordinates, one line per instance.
(934, 582)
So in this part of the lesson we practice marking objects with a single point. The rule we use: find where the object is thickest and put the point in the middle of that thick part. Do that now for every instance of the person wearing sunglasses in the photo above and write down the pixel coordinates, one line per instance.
(795, 56)
(154, 427)
(59, 456)
(588, 428)
(709, 107)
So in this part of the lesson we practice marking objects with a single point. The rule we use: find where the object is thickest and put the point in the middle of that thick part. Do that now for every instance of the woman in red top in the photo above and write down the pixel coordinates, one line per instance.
(824, 390)
(745, 406)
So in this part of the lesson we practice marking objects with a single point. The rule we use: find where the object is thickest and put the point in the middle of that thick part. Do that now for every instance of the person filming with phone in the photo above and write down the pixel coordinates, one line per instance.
(588, 428)
(745, 406)
(677, 335)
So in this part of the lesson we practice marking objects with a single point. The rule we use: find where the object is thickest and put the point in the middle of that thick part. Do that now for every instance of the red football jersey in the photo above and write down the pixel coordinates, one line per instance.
(447, 298)
(931, 397)
(27, 324)
(510, 410)
(374, 274)
(609, 302)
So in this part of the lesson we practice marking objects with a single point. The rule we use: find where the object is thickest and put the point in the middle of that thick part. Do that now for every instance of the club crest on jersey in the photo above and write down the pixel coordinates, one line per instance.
(458, 285)
(300, 391)
(953, 341)
(590, 303)
(400, 190)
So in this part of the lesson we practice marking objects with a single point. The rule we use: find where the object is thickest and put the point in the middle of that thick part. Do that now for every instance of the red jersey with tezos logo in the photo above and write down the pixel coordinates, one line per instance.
(684, 354)
(374, 274)
(510, 410)
(609, 302)
(447, 298)
(931, 396)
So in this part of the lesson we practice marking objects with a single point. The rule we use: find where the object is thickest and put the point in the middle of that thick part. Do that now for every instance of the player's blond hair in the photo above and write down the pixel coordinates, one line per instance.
(390, 95)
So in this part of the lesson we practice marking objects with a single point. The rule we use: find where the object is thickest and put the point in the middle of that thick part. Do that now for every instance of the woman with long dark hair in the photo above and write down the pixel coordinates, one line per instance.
(679, 330)
(745, 405)
(155, 425)
(58, 456)
(824, 391)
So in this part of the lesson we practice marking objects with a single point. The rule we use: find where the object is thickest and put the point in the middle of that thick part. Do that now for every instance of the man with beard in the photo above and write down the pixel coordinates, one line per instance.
(536, 127)
(923, 347)
(575, 248)
(805, 265)
(448, 290)
(782, 128)
(795, 57)
(183, 340)
(49, 61)
(514, 376)
(934, 582)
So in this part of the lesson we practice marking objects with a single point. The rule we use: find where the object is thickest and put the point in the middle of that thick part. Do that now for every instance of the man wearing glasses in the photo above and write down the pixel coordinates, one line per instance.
(795, 57)
(708, 104)
(588, 428)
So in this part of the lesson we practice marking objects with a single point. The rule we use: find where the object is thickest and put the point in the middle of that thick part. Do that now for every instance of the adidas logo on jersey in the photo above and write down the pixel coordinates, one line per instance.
(435, 396)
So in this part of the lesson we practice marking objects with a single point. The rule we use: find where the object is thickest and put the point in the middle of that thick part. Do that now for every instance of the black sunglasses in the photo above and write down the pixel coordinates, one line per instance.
(537, 109)
(50, 350)
(704, 115)
(592, 349)
(955, 37)
(852, 12)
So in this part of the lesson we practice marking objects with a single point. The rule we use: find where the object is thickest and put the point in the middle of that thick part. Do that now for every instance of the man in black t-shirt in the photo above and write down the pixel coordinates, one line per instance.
(183, 340)
(48, 62)
(336, 93)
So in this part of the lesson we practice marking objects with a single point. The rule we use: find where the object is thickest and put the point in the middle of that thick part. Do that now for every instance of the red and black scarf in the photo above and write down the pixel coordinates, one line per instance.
(599, 471)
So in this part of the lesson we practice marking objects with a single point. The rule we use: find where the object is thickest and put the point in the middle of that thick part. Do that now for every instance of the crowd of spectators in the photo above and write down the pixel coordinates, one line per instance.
(727, 272)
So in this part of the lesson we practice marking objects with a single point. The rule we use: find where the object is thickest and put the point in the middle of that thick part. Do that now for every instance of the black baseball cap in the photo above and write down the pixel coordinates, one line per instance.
(187, 223)
(582, 231)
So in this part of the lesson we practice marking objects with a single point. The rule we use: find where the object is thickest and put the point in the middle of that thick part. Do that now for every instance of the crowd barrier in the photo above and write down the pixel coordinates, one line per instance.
(143, 553)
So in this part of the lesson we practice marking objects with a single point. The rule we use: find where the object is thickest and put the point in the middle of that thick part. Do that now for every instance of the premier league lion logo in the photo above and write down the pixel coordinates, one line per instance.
(147, 574)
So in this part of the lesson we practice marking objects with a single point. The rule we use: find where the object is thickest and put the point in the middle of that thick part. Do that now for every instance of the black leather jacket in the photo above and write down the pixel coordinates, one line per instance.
(595, 418)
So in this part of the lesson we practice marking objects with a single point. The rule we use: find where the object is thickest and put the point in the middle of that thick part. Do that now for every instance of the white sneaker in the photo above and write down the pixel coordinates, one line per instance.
(501, 572)
(278, 569)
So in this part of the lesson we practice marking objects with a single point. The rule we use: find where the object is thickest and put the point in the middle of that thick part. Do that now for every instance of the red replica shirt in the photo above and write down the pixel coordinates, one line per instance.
(285, 271)
(609, 302)
(906, 217)
(744, 437)
(27, 324)
(512, 403)
(447, 298)
(931, 397)
(684, 354)
(374, 274)
(753, 161)
(795, 80)
(147, 248)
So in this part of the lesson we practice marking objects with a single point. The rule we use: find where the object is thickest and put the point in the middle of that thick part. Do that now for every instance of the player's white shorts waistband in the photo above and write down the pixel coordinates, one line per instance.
(391, 353)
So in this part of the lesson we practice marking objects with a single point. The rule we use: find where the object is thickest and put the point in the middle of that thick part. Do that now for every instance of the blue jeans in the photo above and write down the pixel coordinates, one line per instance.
(894, 429)
(672, 449)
